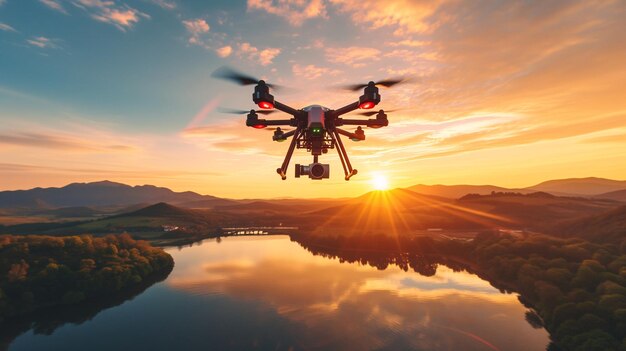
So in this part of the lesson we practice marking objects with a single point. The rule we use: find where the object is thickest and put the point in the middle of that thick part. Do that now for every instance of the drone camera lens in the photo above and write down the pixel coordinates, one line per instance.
(317, 171)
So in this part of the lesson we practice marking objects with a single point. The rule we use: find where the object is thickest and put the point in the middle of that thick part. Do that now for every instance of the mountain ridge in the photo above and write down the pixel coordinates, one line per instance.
(101, 193)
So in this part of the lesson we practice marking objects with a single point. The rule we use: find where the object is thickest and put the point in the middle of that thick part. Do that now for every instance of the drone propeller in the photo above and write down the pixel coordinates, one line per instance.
(233, 111)
(387, 83)
(372, 113)
(234, 76)
(277, 128)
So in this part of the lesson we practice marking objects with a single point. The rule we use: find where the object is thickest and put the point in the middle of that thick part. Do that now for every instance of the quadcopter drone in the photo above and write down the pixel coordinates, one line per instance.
(316, 127)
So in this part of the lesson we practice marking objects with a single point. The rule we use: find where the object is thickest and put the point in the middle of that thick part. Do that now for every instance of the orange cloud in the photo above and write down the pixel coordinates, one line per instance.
(263, 56)
(224, 51)
(122, 17)
(312, 71)
(294, 11)
(354, 56)
(405, 16)
(61, 142)
(54, 4)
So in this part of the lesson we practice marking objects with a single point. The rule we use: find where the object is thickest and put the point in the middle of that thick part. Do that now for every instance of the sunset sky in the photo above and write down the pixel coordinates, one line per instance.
(505, 93)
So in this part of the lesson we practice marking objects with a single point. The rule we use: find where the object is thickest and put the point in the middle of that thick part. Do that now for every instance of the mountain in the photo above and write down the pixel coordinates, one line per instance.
(619, 195)
(457, 191)
(400, 211)
(403, 211)
(255, 206)
(561, 187)
(162, 209)
(609, 226)
(537, 211)
(580, 186)
(104, 193)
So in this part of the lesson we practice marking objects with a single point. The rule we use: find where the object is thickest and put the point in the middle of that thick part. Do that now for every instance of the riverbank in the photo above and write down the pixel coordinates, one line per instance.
(577, 288)
(44, 272)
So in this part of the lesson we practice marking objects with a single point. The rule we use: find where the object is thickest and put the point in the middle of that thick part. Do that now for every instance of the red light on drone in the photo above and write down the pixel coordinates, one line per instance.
(367, 105)
(266, 105)
(259, 126)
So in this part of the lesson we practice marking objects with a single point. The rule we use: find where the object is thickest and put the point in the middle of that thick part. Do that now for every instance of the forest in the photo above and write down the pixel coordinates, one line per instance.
(576, 289)
(43, 271)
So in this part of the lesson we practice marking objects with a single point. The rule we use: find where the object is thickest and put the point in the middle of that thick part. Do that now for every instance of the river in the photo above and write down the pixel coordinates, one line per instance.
(269, 293)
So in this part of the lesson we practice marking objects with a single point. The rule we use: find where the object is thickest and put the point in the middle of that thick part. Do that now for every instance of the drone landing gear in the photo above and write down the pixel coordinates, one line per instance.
(282, 171)
(343, 156)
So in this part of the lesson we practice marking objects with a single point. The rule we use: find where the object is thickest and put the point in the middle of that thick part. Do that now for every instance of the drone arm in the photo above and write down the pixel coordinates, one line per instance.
(277, 122)
(289, 134)
(286, 109)
(348, 108)
(359, 122)
(350, 135)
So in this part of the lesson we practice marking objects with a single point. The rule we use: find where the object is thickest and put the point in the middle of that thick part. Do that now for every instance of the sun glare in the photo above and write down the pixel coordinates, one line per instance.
(380, 182)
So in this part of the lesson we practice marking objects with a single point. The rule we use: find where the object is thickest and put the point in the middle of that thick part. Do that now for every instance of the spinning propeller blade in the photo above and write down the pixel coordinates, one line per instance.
(387, 83)
(276, 128)
(372, 113)
(233, 111)
(236, 77)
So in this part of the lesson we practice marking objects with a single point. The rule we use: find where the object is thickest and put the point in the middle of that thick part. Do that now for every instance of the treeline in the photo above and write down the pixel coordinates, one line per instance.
(578, 288)
(537, 194)
(44, 271)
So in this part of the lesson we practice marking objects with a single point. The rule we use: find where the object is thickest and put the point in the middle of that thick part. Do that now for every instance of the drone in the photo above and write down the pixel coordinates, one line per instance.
(317, 128)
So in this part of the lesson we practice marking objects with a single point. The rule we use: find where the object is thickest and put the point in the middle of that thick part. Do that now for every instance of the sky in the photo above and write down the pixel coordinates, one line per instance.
(509, 93)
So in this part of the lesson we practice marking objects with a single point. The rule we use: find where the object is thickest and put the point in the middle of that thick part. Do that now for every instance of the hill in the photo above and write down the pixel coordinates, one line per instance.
(162, 210)
(609, 226)
(536, 211)
(104, 193)
(401, 211)
(457, 191)
(581, 186)
(404, 211)
(561, 187)
(619, 195)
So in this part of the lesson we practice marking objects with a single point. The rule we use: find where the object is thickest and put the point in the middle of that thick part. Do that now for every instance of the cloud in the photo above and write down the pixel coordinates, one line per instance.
(264, 56)
(43, 43)
(555, 69)
(101, 173)
(294, 11)
(224, 51)
(312, 71)
(196, 27)
(227, 137)
(59, 142)
(122, 17)
(405, 16)
(354, 56)
(165, 4)
(54, 4)
(5, 27)
(408, 42)
(2, 2)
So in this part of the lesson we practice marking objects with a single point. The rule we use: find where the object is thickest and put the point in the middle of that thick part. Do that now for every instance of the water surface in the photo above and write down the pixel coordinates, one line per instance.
(268, 293)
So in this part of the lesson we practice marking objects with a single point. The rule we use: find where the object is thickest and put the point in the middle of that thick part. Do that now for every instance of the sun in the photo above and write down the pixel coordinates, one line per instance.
(379, 182)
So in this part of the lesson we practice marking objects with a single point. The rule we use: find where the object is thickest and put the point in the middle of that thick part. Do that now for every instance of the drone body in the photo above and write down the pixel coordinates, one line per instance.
(316, 127)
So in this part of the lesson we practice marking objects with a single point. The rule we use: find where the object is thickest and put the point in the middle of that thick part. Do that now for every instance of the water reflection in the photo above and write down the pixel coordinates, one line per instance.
(350, 306)
(268, 293)
(46, 322)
